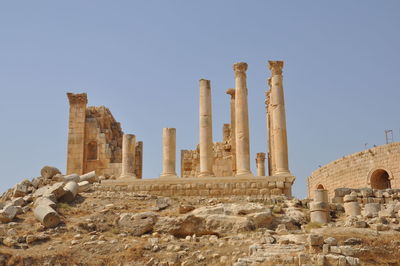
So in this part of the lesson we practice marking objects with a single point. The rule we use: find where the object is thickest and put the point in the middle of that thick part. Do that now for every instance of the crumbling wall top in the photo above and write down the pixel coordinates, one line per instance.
(75, 98)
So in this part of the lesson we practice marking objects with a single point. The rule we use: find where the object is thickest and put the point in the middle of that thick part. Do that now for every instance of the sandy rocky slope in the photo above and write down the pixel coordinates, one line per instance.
(56, 219)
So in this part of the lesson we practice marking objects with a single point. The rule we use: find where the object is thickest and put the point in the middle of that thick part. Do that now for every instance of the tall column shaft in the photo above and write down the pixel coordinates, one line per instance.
(76, 133)
(169, 152)
(280, 146)
(242, 121)
(128, 156)
(231, 92)
(260, 161)
(206, 138)
(271, 157)
(139, 160)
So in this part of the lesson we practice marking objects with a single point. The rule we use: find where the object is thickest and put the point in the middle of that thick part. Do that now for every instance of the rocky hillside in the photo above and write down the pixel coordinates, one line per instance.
(66, 220)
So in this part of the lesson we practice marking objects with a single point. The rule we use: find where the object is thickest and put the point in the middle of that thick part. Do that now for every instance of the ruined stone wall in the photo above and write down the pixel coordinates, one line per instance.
(376, 168)
(95, 140)
(103, 140)
(262, 187)
(222, 158)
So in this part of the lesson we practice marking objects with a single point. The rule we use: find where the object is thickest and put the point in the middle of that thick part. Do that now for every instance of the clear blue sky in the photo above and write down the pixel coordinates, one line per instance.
(144, 59)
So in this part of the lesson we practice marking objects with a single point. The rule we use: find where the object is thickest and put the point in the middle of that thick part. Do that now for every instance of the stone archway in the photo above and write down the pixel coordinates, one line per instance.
(320, 186)
(380, 179)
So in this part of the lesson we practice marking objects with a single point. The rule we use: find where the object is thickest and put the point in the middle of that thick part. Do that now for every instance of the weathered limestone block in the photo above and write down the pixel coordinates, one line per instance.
(320, 216)
(341, 192)
(49, 171)
(57, 189)
(371, 210)
(280, 184)
(46, 215)
(349, 198)
(71, 189)
(45, 201)
(18, 202)
(352, 208)
(315, 240)
(90, 177)
(137, 224)
(83, 186)
(8, 213)
(71, 177)
(20, 190)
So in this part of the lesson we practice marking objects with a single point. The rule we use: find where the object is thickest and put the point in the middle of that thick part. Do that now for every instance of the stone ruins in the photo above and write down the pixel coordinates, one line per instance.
(97, 143)
(217, 213)
(376, 168)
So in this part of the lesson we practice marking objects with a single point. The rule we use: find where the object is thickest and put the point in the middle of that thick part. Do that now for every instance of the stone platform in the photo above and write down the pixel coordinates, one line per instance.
(212, 186)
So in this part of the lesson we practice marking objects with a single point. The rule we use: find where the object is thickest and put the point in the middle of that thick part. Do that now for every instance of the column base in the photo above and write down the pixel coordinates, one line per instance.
(128, 176)
(168, 176)
(282, 173)
(206, 174)
(244, 174)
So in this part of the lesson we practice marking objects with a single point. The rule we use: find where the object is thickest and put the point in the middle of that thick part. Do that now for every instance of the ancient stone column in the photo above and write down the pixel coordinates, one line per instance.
(260, 162)
(278, 118)
(319, 207)
(271, 158)
(242, 121)
(139, 160)
(169, 153)
(206, 139)
(76, 133)
(128, 156)
(231, 92)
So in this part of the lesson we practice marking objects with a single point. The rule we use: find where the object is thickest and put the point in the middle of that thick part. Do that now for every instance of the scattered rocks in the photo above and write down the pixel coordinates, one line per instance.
(185, 208)
(352, 241)
(161, 204)
(315, 240)
(8, 213)
(137, 224)
(48, 172)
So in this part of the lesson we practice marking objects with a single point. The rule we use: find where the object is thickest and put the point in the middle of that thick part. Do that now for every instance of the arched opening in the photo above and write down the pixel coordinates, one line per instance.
(380, 179)
(92, 150)
(320, 186)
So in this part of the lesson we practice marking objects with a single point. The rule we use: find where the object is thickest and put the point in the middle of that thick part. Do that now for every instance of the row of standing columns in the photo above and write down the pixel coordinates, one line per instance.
(240, 137)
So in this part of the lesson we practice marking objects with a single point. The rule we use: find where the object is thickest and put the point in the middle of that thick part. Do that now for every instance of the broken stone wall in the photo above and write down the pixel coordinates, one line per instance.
(222, 163)
(260, 187)
(367, 168)
(95, 140)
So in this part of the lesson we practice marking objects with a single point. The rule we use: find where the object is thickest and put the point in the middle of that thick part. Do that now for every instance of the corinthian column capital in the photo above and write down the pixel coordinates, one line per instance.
(76, 98)
(240, 68)
(275, 67)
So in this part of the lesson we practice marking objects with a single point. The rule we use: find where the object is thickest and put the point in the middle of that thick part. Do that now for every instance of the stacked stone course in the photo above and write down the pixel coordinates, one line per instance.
(216, 187)
(356, 170)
